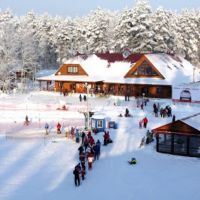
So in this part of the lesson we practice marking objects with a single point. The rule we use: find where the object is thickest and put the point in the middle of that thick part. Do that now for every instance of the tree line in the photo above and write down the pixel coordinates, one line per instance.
(32, 42)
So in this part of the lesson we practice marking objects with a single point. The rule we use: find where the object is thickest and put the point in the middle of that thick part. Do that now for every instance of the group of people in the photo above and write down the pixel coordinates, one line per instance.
(147, 139)
(47, 128)
(89, 151)
(143, 122)
(84, 98)
(141, 103)
(164, 112)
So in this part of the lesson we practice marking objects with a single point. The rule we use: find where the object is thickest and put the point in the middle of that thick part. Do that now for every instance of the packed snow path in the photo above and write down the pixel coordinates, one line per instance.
(42, 169)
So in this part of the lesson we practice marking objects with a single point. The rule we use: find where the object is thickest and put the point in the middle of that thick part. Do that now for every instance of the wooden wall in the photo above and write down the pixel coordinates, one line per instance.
(117, 89)
(63, 70)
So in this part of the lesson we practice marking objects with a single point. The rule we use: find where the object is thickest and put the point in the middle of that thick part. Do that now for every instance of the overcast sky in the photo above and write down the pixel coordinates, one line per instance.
(82, 7)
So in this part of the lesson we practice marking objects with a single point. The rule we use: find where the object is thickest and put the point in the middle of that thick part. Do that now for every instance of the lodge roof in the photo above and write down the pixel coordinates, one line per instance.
(193, 121)
(112, 67)
(186, 126)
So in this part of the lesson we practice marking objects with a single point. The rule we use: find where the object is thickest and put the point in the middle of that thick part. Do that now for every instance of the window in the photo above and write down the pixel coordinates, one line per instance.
(100, 124)
(165, 143)
(72, 69)
(159, 90)
(60, 84)
(145, 69)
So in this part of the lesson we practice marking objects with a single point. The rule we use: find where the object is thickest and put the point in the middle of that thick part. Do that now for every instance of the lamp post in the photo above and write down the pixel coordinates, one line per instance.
(194, 74)
(87, 115)
(143, 95)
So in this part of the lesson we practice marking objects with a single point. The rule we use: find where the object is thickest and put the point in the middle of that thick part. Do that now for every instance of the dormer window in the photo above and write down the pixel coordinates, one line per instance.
(72, 69)
(145, 70)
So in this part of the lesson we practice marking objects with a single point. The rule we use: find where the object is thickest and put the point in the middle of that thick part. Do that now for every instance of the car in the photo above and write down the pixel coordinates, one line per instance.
(185, 95)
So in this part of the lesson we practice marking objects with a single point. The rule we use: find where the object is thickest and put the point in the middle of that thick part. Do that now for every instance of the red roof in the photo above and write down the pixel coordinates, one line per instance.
(113, 57)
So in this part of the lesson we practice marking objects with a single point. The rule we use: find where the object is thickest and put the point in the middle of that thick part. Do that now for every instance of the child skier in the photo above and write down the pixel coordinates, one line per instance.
(133, 161)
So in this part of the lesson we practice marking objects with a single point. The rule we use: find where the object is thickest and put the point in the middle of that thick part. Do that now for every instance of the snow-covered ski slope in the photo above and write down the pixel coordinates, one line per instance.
(39, 167)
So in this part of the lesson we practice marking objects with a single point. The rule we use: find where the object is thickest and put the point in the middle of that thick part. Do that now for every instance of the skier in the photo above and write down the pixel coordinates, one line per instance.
(82, 158)
(83, 137)
(58, 126)
(133, 161)
(26, 121)
(145, 121)
(86, 143)
(149, 137)
(142, 142)
(142, 106)
(97, 150)
(127, 113)
(80, 149)
(140, 123)
(173, 118)
(77, 135)
(90, 160)
(76, 173)
(80, 98)
(83, 172)
(46, 128)
(106, 137)
(84, 98)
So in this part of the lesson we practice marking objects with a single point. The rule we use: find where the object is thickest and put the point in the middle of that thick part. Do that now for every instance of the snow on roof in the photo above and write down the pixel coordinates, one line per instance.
(193, 121)
(191, 85)
(99, 115)
(45, 72)
(176, 70)
(118, 57)
(70, 78)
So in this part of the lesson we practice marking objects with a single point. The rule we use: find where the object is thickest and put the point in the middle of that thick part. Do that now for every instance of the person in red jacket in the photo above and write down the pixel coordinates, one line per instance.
(106, 138)
(90, 160)
(145, 121)
(58, 126)
(91, 141)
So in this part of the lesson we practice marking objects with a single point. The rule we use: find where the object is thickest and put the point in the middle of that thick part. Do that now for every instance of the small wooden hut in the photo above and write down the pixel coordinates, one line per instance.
(181, 137)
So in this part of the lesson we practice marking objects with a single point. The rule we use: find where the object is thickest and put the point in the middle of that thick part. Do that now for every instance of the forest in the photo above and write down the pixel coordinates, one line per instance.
(33, 42)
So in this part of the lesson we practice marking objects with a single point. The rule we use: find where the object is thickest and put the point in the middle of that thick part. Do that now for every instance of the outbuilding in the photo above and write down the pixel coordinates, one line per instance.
(139, 75)
(98, 122)
(181, 137)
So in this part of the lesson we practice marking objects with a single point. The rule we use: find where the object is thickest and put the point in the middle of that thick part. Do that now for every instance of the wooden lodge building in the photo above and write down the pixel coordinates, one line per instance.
(181, 137)
(149, 75)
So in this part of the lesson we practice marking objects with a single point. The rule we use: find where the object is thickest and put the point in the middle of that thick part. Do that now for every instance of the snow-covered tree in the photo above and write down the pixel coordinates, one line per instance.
(188, 35)
(135, 29)
(164, 31)
(8, 50)
(32, 42)
(63, 38)
(96, 34)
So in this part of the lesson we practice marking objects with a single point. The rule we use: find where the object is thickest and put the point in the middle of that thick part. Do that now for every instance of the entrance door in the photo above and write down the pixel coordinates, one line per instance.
(144, 91)
(73, 87)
